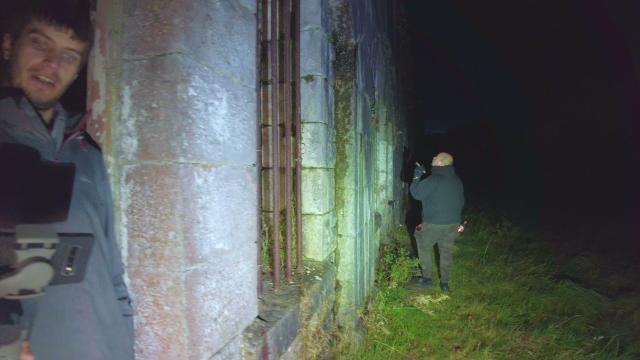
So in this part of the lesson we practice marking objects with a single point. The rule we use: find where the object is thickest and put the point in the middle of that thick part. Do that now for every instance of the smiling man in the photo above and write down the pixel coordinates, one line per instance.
(44, 59)
(42, 55)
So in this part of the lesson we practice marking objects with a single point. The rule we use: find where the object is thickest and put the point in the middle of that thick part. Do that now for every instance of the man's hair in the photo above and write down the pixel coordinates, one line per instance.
(68, 14)
(445, 158)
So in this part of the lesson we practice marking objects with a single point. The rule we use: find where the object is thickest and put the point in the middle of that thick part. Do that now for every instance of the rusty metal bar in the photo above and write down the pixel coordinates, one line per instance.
(275, 141)
(262, 106)
(278, 33)
(285, 22)
(295, 41)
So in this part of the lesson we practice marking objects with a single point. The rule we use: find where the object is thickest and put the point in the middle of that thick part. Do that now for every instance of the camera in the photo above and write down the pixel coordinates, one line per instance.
(33, 255)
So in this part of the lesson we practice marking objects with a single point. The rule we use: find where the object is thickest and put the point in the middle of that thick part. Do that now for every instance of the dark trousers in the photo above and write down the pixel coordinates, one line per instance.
(442, 235)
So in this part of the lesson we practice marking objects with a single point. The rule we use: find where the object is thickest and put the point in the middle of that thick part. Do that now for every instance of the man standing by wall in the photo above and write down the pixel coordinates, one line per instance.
(442, 197)
(43, 52)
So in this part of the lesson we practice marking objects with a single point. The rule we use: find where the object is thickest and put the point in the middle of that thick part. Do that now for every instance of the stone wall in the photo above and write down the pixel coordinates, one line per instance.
(173, 93)
(351, 125)
(369, 119)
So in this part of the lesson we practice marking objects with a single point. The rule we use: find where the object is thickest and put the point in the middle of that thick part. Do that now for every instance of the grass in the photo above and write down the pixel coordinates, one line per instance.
(511, 298)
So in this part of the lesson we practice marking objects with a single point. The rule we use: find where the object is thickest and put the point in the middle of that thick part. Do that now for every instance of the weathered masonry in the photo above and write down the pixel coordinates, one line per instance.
(177, 91)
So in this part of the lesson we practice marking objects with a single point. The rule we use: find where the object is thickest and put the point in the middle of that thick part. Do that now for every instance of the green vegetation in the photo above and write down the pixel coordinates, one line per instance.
(308, 78)
(395, 267)
(266, 247)
(511, 298)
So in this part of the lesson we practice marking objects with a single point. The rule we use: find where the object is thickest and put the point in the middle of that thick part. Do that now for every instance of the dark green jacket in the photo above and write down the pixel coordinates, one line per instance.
(441, 194)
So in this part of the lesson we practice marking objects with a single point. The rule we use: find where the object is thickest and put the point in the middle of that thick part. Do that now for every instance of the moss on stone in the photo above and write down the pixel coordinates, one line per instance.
(345, 69)
(344, 65)
(307, 78)
(344, 137)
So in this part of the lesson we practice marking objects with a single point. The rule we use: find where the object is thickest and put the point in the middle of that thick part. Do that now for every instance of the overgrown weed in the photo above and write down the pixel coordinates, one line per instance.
(509, 300)
(395, 266)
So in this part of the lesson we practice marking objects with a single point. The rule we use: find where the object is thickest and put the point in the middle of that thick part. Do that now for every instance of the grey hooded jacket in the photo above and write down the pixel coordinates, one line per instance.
(91, 319)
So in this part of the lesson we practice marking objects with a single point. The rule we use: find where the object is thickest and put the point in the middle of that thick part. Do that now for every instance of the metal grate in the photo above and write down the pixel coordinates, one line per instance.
(279, 99)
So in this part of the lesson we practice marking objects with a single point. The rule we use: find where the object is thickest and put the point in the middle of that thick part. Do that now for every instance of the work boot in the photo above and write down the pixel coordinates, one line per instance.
(444, 286)
(425, 282)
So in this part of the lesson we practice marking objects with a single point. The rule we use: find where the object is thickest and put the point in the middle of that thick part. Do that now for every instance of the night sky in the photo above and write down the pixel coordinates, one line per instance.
(539, 102)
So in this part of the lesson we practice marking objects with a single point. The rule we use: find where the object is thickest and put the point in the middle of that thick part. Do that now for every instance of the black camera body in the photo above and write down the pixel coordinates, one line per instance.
(34, 194)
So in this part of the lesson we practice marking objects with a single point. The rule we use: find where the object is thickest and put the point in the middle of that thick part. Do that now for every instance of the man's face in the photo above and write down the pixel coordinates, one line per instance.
(43, 61)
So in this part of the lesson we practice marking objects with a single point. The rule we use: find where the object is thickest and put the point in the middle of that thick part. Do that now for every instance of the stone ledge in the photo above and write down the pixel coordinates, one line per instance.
(284, 316)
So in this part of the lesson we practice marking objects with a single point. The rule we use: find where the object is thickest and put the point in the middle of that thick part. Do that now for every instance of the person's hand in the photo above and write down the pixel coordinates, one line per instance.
(26, 353)
(418, 171)
(461, 227)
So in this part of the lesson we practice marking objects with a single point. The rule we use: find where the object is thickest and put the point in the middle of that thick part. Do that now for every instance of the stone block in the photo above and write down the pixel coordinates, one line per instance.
(311, 14)
(162, 229)
(194, 312)
(176, 109)
(314, 49)
(154, 27)
(221, 214)
(221, 34)
(319, 236)
(314, 104)
(221, 301)
(316, 146)
(160, 307)
(216, 272)
(150, 199)
(317, 191)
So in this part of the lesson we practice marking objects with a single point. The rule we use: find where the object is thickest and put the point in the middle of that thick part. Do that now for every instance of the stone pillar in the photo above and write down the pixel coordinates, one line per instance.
(346, 159)
(364, 85)
(173, 86)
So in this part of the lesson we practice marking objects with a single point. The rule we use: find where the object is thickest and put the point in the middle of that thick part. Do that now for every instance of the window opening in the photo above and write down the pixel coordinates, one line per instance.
(279, 99)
